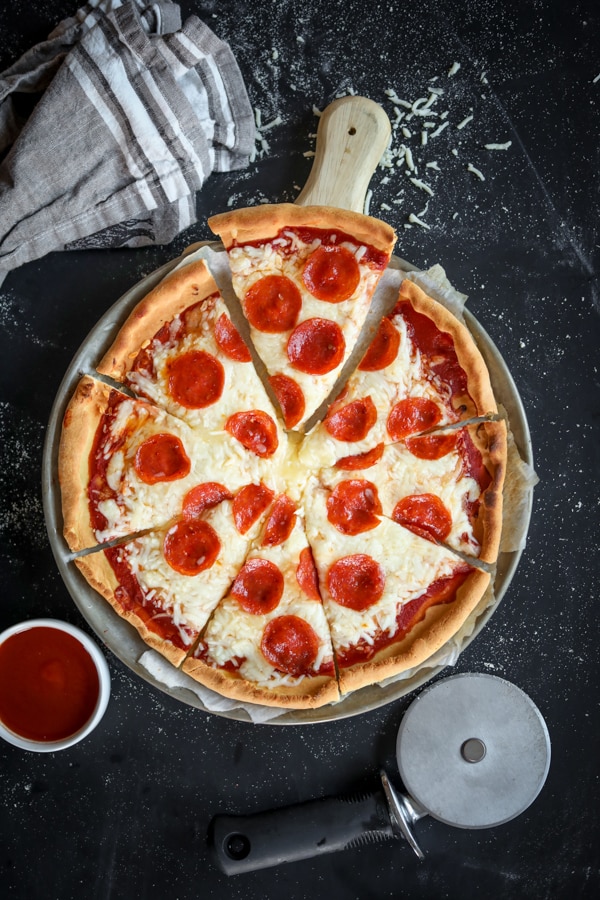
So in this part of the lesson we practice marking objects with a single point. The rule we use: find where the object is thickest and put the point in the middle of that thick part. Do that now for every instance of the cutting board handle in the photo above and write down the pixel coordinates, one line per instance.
(352, 136)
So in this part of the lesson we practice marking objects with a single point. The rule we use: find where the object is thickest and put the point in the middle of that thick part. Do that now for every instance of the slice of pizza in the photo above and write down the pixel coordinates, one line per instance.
(180, 350)
(167, 581)
(126, 465)
(445, 486)
(268, 640)
(422, 370)
(392, 598)
(305, 276)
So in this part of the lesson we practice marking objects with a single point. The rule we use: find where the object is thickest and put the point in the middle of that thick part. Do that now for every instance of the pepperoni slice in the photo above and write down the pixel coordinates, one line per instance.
(431, 446)
(249, 503)
(290, 644)
(204, 496)
(352, 422)
(425, 514)
(255, 430)
(306, 575)
(412, 415)
(291, 398)
(230, 340)
(331, 273)
(161, 458)
(353, 506)
(356, 581)
(195, 379)
(281, 522)
(361, 460)
(383, 349)
(316, 346)
(191, 547)
(273, 304)
(258, 587)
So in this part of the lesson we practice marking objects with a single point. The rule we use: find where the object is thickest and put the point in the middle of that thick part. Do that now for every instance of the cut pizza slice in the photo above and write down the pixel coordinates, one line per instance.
(445, 486)
(180, 350)
(126, 465)
(167, 581)
(422, 370)
(392, 599)
(305, 277)
(268, 640)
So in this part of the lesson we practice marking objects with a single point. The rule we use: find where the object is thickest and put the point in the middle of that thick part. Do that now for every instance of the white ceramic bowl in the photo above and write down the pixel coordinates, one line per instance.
(103, 688)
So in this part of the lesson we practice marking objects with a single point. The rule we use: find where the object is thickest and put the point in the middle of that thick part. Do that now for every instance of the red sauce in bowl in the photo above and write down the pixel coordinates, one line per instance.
(49, 684)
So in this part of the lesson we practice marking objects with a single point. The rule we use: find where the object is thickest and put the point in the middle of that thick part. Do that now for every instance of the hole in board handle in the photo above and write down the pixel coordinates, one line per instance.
(352, 130)
(237, 846)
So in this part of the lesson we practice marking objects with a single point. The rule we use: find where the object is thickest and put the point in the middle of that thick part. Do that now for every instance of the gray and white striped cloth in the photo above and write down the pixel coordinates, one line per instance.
(135, 112)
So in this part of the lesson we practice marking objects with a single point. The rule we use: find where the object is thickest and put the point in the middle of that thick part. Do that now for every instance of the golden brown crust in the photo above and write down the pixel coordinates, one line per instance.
(100, 575)
(182, 288)
(80, 423)
(309, 694)
(440, 624)
(242, 226)
(490, 439)
(481, 400)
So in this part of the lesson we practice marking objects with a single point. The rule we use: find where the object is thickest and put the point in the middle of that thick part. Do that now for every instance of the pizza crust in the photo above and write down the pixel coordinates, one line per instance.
(99, 573)
(491, 440)
(243, 226)
(480, 400)
(309, 694)
(182, 288)
(80, 423)
(439, 625)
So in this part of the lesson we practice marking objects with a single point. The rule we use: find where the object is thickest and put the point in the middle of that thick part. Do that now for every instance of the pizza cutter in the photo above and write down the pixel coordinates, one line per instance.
(473, 751)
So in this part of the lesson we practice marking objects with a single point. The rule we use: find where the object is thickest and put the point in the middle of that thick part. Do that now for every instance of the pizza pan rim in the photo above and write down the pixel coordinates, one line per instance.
(122, 639)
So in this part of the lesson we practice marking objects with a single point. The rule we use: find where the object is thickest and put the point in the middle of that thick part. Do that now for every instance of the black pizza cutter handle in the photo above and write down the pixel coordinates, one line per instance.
(258, 841)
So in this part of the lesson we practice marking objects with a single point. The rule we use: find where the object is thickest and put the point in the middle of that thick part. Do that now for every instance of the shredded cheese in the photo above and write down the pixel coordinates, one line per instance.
(476, 172)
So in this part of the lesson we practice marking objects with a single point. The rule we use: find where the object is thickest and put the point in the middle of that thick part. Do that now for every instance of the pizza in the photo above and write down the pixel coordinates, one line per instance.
(305, 276)
(270, 564)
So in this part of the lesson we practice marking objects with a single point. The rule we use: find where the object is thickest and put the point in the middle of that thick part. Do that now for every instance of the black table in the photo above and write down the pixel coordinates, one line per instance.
(125, 812)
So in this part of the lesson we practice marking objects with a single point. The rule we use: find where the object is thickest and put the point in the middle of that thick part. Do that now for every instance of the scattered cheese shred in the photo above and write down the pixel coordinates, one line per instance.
(498, 146)
(453, 69)
(415, 220)
(439, 129)
(476, 172)
(422, 186)
(596, 79)
(464, 122)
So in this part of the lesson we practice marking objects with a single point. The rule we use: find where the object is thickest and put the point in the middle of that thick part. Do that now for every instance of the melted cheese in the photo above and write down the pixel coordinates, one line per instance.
(400, 474)
(410, 564)
(242, 389)
(249, 264)
(188, 599)
(139, 505)
(234, 633)
(403, 378)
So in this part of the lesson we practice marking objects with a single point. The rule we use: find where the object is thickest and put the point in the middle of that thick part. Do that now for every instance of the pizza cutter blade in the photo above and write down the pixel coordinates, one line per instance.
(473, 752)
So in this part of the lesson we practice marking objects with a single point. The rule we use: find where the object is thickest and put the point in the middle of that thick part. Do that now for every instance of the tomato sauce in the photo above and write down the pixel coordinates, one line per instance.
(49, 684)
(377, 259)
(441, 591)
(132, 599)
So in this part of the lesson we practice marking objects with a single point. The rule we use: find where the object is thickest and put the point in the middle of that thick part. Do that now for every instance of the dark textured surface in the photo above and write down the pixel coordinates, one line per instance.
(124, 814)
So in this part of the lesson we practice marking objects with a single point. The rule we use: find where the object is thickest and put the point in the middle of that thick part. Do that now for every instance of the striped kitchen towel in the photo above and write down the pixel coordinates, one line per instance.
(134, 112)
